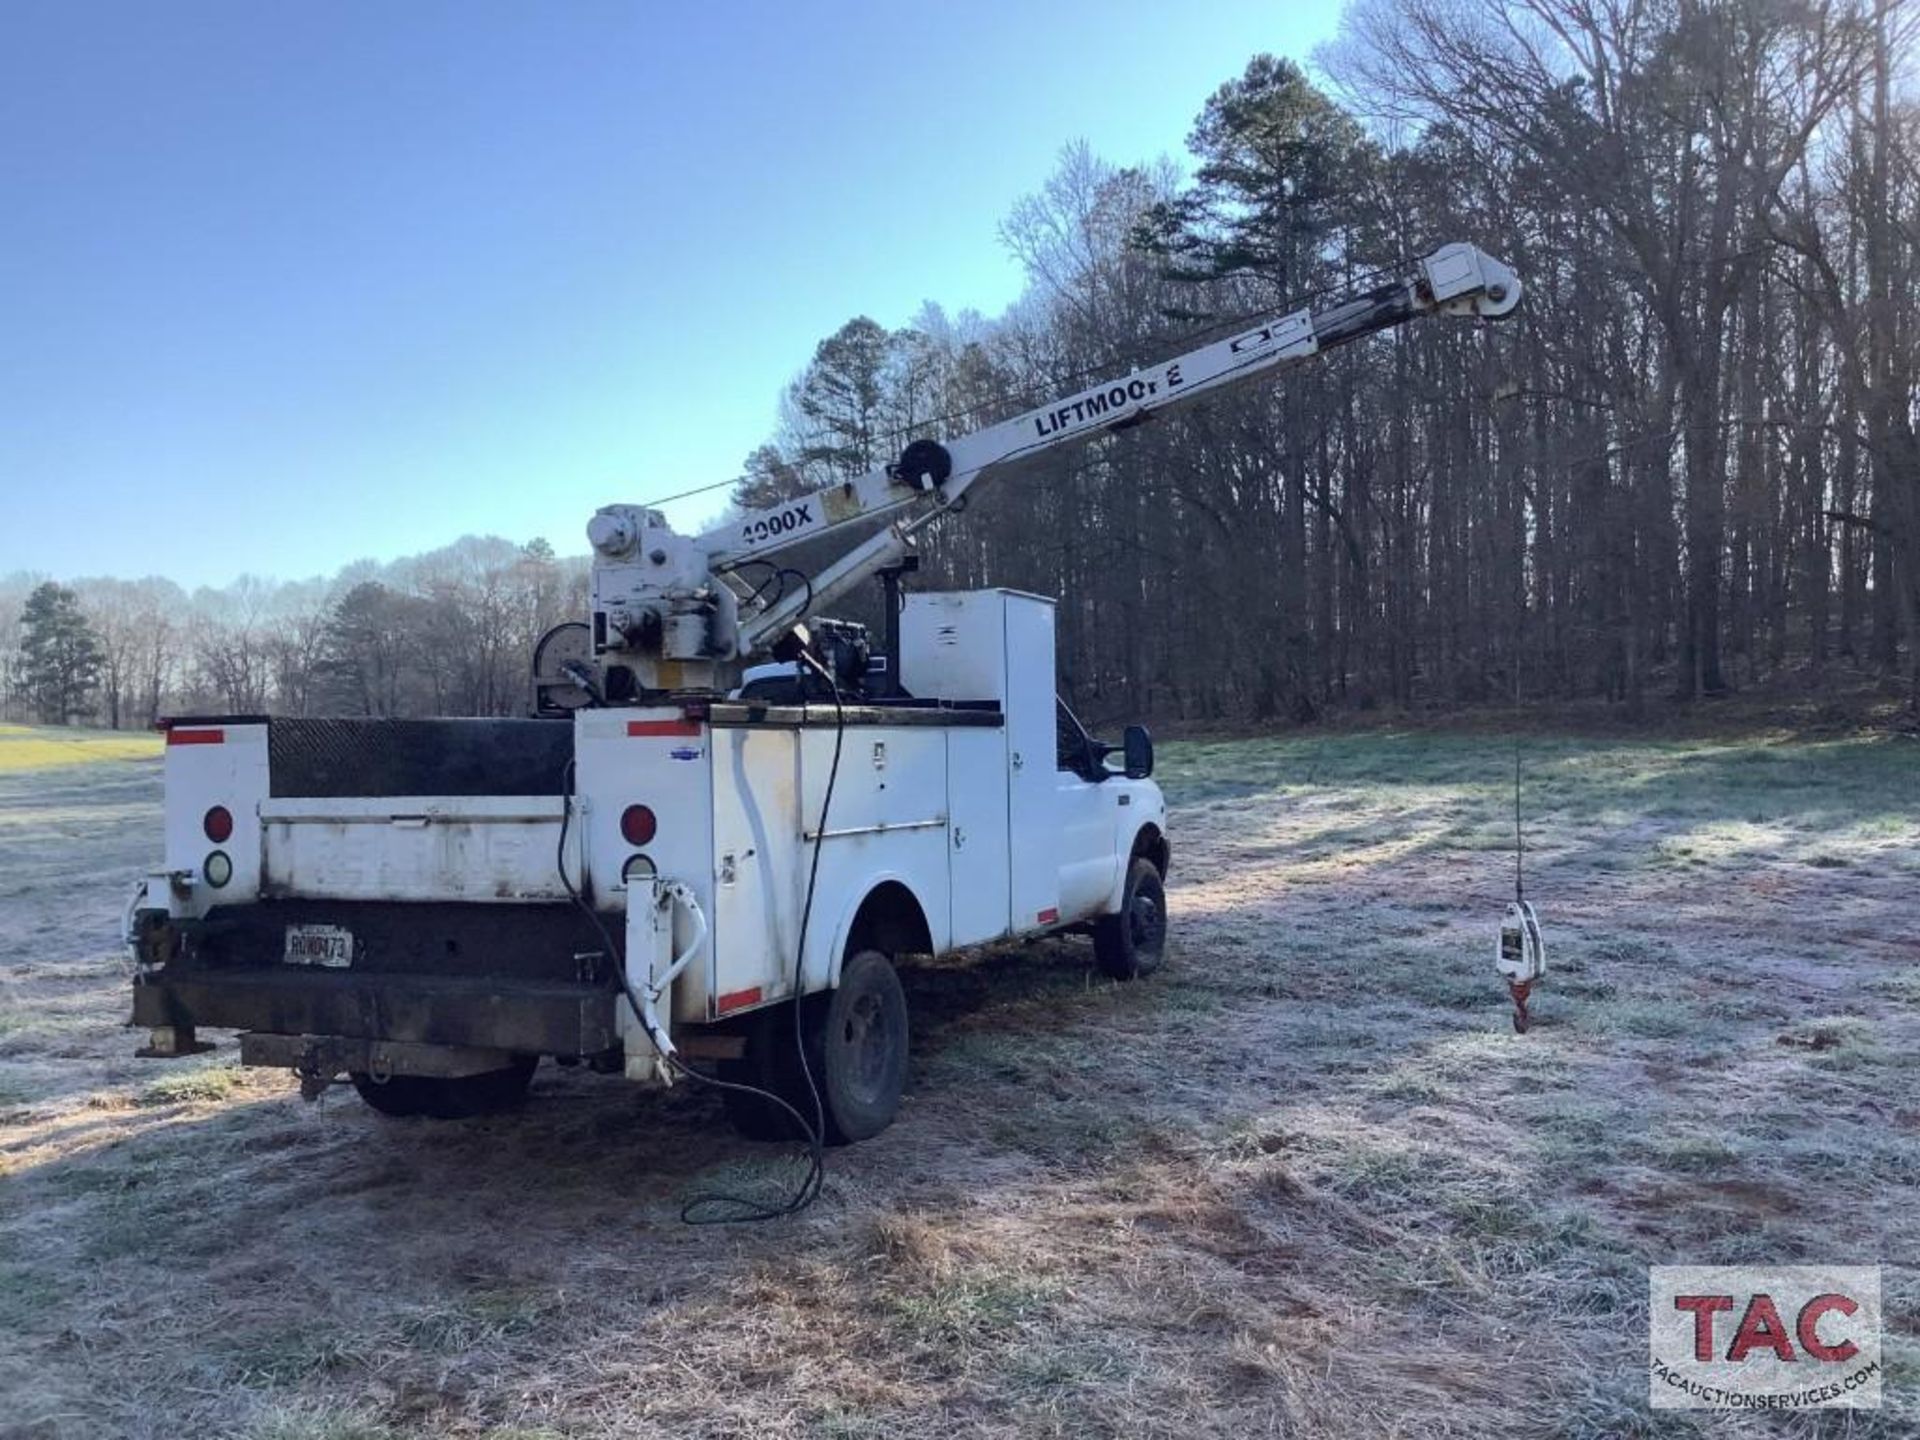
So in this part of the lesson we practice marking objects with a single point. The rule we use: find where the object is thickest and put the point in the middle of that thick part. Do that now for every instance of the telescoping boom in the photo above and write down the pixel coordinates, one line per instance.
(676, 614)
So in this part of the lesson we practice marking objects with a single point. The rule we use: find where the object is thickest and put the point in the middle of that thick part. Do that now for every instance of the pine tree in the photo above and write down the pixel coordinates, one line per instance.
(60, 657)
(839, 397)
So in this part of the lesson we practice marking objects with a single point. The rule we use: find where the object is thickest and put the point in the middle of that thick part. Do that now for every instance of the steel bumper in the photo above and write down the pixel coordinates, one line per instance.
(524, 1016)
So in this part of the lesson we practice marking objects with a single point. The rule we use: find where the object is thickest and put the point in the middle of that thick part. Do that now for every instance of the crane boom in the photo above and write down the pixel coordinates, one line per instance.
(667, 601)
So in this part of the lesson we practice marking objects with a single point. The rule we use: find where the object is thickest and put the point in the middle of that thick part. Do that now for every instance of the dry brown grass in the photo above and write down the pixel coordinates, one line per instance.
(1305, 1183)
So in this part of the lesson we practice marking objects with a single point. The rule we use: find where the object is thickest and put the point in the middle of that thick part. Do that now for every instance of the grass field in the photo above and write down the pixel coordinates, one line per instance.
(1305, 1182)
(38, 747)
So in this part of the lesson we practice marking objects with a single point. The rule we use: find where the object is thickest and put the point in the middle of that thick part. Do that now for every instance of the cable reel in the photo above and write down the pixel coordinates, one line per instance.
(563, 669)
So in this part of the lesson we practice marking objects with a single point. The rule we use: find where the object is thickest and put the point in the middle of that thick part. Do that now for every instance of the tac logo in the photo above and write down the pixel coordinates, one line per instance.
(1764, 1337)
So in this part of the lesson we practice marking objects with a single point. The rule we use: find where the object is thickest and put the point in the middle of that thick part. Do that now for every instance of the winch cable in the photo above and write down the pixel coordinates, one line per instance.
(1519, 835)
(741, 1209)
(1522, 928)
(745, 1209)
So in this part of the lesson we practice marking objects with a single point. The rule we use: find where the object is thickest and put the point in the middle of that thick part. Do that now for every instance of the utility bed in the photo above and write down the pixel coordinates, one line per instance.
(454, 897)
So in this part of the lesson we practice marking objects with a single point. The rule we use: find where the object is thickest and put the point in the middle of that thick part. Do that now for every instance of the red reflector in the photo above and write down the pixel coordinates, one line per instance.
(1047, 917)
(637, 825)
(218, 824)
(736, 999)
(677, 729)
(196, 737)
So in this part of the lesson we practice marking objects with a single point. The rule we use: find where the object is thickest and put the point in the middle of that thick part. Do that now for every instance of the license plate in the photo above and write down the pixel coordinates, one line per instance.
(328, 945)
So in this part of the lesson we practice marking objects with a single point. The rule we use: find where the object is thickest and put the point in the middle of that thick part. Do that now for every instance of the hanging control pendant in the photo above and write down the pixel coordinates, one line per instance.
(1521, 957)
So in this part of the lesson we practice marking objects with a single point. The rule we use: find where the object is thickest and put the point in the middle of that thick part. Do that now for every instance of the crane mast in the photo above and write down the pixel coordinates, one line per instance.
(674, 614)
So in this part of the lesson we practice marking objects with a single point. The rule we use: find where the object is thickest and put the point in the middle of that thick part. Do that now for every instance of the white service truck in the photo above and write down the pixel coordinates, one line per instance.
(679, 865)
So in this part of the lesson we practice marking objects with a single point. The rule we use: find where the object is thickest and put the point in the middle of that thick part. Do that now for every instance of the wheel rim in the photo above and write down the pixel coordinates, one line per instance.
(868, 1046)
(1146, 923)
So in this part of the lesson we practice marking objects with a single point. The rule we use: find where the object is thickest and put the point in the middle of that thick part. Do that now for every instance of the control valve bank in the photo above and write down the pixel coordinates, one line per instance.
(726, 821)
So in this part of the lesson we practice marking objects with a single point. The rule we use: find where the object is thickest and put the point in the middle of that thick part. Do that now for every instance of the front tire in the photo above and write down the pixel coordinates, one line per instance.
(1131, 944)
(442, 1098)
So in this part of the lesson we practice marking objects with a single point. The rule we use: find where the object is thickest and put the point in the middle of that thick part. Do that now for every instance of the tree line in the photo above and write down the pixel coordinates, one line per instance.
(447, 633)
(1687, 464)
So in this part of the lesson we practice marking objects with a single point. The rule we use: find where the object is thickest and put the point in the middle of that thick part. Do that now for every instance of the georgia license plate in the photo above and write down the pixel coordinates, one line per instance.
(328, 945)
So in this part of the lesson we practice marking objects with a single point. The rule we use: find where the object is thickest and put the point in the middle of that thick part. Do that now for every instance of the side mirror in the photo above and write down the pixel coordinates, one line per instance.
(1137, 745)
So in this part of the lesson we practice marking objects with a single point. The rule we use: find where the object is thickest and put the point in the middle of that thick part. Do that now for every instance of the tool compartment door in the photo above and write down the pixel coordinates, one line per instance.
(998, 645)
(977, 857)
(887, 823)
(430, 847)
(759, 865)
(658, 758)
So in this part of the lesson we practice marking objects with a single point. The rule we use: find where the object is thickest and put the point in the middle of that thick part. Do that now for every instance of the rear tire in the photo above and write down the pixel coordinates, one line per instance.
(440, 1098)
(864, 1049)
(771, 1064)
(856, 1038)
(1131, 944)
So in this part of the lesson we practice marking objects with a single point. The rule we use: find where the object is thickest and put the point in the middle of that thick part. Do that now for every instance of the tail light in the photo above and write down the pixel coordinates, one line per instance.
(637, 825)
(218, 824)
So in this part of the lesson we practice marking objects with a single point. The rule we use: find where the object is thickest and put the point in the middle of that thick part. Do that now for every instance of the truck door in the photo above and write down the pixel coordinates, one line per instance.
(1089, 845)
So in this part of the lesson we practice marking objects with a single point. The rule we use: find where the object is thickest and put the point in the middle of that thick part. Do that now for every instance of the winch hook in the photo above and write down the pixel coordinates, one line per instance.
(1520, 989)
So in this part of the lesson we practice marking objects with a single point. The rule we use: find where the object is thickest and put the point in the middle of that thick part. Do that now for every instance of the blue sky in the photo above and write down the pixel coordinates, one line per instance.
(288, 285)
